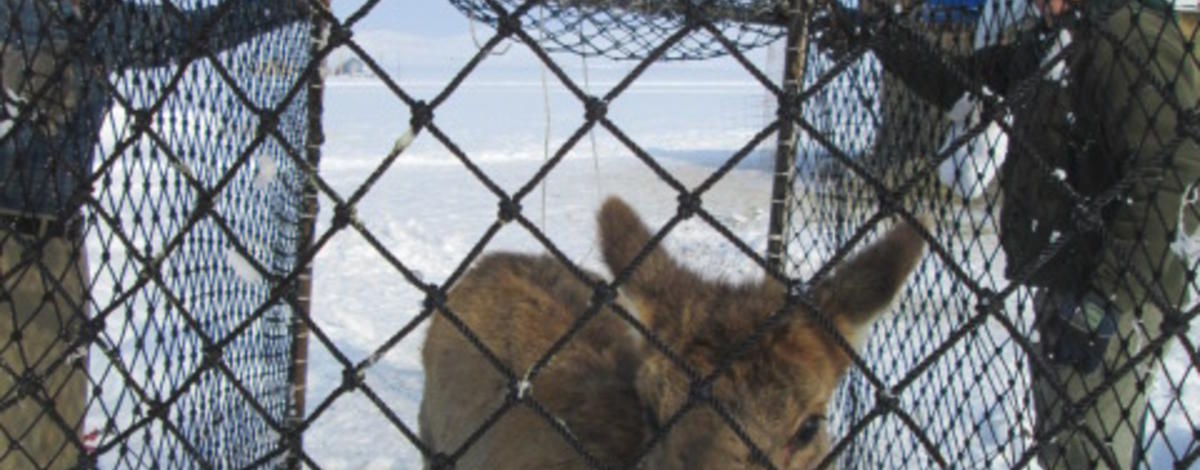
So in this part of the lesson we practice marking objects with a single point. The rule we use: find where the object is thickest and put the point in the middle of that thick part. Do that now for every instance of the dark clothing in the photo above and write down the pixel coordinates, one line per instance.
(1102, 156)
(56, 62)
(1114, 124)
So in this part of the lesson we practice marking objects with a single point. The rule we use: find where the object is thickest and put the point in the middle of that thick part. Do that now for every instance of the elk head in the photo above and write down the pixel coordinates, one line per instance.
(776, 385)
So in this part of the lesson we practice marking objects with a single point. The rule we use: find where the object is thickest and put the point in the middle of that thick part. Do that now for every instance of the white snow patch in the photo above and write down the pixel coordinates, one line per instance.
(241, 266)
(972, 166)
(266, 171)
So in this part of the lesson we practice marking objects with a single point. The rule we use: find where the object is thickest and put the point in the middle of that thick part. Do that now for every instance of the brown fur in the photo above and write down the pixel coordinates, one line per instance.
(609, 387)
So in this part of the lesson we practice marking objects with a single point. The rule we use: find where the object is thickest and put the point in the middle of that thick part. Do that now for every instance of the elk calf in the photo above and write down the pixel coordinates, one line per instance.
(613, 391)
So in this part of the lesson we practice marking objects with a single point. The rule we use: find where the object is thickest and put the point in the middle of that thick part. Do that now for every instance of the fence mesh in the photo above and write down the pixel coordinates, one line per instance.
(962, 353)
(955, 375)
(631, 30)
(152, 161)
(155, 253)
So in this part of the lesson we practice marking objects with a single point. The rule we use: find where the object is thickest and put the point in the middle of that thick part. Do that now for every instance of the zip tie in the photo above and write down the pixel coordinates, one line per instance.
(403, 142)
(524, 386)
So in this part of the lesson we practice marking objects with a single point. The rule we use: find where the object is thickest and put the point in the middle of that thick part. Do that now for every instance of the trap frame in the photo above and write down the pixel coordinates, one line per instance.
(200, 236)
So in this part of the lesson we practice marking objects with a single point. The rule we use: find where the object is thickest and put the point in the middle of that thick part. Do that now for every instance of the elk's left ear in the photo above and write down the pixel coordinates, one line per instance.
(864, 285)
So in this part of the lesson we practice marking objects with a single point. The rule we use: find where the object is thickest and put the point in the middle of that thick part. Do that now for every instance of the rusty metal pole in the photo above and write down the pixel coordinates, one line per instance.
(314, 138)
(795, 65)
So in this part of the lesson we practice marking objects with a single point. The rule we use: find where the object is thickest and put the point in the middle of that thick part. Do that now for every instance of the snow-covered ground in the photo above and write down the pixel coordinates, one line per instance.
(429, 212)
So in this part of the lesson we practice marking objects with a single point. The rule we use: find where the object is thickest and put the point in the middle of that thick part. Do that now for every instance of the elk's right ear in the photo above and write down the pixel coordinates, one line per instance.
(864, 285)
(623, 236)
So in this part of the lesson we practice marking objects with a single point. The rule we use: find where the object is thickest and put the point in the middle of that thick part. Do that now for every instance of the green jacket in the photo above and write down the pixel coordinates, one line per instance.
(1113, 137)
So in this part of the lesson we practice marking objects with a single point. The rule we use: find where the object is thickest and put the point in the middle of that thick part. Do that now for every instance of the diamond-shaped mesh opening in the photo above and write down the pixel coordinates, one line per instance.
(159, 194)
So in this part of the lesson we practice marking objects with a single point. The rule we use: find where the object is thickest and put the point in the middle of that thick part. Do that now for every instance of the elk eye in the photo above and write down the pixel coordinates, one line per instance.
(808, 430)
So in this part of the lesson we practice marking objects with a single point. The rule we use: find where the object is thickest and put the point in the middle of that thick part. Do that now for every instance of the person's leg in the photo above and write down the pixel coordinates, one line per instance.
(41, 313)
(1116, 416)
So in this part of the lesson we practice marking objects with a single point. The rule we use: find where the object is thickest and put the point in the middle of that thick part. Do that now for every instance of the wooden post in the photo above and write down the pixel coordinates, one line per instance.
(795, 65)
(314, 138)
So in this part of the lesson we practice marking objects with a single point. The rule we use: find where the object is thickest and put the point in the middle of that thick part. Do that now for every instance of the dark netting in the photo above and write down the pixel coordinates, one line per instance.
(152, 153)
(962, 352)
(962, 373)
(157, 174)
(630, 30)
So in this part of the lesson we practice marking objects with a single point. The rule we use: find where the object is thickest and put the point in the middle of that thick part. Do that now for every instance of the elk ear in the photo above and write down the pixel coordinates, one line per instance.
(864, 285)
(623, 236)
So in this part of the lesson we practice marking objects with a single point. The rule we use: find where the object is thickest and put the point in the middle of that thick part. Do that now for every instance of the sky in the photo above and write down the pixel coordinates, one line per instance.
(420, 17)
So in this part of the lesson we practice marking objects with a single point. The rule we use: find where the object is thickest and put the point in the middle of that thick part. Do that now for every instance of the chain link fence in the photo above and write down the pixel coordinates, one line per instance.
(160, 182)
(154, 160)
(962, 371)
(970, 350)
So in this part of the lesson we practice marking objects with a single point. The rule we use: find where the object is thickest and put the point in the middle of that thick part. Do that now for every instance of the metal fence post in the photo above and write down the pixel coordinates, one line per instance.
(314, 138)
(795, 65)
